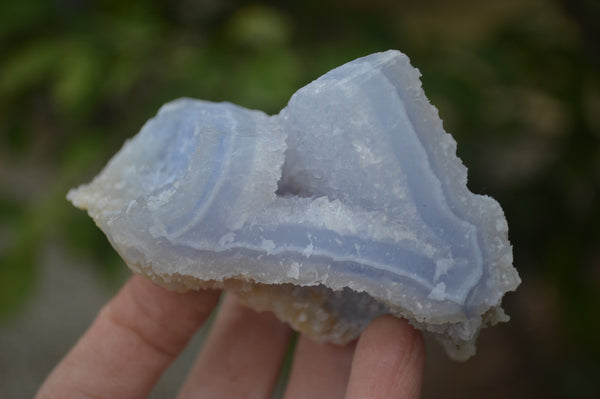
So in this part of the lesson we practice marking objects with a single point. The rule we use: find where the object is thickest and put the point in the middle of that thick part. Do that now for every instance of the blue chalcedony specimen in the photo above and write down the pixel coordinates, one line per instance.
(349, 204)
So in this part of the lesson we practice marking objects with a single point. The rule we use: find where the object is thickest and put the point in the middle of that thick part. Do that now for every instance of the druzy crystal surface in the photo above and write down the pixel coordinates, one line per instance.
(349, 204)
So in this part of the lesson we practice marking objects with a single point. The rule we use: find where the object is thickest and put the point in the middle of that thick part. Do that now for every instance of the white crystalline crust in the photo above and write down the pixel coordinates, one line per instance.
(349, 204)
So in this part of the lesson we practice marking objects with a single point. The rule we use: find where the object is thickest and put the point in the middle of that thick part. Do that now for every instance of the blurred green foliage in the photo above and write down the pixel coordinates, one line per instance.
(516, 82)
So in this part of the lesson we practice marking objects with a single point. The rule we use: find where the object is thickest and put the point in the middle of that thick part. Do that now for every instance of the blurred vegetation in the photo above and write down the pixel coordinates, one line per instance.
(516, 82)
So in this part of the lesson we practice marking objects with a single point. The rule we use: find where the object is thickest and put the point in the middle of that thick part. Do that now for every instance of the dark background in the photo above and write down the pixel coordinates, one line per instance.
(516, 82)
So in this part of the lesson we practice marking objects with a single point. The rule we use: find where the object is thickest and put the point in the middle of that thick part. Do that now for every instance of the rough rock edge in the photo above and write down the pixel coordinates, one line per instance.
(301, 314)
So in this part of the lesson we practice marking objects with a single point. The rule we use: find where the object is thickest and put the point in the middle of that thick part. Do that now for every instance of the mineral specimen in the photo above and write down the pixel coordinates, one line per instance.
(349, 204)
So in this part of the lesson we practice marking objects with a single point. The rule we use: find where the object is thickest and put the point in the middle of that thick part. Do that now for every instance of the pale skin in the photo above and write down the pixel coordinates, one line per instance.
(137, 335)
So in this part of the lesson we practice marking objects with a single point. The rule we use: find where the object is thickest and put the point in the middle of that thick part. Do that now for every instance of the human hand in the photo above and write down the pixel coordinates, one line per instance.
(143, 329)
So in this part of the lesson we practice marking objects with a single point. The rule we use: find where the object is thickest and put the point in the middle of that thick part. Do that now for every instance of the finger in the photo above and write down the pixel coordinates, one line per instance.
(241, 357)
(319, 370)
(131, 342)
(388, 362)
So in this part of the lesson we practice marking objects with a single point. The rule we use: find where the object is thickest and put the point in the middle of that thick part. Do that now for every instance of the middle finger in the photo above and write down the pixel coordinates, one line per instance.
(241, 357)
(320, 370)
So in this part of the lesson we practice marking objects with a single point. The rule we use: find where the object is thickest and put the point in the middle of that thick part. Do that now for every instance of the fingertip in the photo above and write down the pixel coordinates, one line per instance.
(242, 355)
(320, 370)
(161, 303)
(389, 361)
(392, 329)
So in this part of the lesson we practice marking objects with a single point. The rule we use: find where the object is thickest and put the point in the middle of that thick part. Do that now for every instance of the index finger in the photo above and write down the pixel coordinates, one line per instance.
(134, 338)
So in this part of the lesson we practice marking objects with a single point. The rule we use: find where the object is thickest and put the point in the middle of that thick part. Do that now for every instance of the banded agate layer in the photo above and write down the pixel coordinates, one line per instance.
(349, 204)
